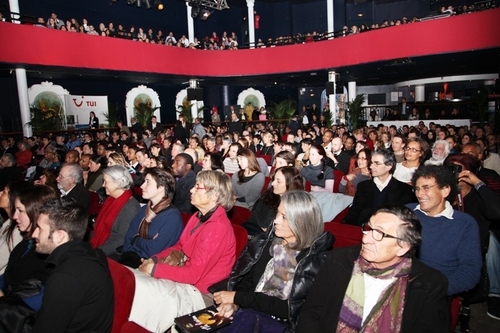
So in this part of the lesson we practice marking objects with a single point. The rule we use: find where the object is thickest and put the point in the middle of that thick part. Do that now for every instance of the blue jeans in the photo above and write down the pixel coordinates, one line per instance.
(493, 264)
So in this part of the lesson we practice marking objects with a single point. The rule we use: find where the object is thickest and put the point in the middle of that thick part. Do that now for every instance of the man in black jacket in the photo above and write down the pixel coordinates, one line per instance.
(78, 295)
(380, 284)
(382, 189)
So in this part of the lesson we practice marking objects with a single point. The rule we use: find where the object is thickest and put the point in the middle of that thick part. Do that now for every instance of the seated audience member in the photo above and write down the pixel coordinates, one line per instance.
(397, 146)
(78, 295)
(490, 177)
(264, 210)
(415, 155)
(349, 182)
(248, 182)
(72, 156)
(70, 184)
(440, 150)
(8, 170)
(203, 256)
(303, 158)
(490, 160)
(479, 201)
(382, 189)
(339, 157)
(48, 177)
(10, 235)
(231, 165)
(23, 155)
(94, 178)
(24, 263)
(379, 284)
(283, 158)
(50, 159)
(450, 239)
(182, 169)
(271, 279)
(212, 161)
(198, 155)
(317, 172)
(158, 224)
(117, 211)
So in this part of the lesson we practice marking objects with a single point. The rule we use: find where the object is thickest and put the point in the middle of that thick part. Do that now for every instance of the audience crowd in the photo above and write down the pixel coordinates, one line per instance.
(447, 177)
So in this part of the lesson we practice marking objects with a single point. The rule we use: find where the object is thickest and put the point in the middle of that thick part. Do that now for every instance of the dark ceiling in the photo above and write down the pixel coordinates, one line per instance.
(388, 72)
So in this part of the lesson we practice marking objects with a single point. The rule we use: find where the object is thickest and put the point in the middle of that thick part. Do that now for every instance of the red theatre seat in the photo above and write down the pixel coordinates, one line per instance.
(337, 177)
(238, 215)
(241, 236)
(95, 206)
(345, 234)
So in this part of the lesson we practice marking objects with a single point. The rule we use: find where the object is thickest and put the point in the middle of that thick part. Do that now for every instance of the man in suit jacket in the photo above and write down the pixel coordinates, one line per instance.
(70, 184)
(404, 109)
(340, 158)
(235, 125)
(154, 126)
(382, 189)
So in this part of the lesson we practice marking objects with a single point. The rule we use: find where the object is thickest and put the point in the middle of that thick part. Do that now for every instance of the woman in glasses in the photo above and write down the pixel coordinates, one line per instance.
(416, 151)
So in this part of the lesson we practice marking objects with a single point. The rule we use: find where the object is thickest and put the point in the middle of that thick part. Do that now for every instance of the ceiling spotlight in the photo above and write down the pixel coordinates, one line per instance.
(195, 11)
(159, 5)
(205, 14)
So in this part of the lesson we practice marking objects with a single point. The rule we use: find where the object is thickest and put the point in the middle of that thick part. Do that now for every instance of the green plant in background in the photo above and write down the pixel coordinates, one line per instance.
(45, 120)
(328, 118)
(112, 115)
(284, 109)
(185, 110)
(144, 111)
(355, 108)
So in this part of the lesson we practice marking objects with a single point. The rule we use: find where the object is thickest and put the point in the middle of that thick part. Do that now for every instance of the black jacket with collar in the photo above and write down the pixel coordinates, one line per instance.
(252, 263)
(425, 310)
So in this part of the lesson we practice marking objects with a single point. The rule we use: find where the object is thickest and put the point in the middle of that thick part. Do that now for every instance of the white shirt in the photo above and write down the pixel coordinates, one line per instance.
(373, 289)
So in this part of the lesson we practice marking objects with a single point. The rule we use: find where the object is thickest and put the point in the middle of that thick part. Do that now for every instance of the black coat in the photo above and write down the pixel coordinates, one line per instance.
(368, 199)
(79, 293)
(81, 195)
(250, 267)
(426, 308)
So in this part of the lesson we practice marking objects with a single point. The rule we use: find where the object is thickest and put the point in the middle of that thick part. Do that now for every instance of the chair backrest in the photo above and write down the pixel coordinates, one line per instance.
(95, 206)
(341, 216)
(307, 186)
(241, 236)
(267, 158)
(239, 215)
(337, 177)
(345, 234)
(124, 288)
(267, 180)
(185, 217)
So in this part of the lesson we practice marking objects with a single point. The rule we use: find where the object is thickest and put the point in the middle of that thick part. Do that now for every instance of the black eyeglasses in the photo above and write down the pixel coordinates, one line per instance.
(376, 234)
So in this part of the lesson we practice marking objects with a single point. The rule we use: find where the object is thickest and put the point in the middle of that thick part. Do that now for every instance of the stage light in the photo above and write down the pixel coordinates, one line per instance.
(205, 14)
(159, 5)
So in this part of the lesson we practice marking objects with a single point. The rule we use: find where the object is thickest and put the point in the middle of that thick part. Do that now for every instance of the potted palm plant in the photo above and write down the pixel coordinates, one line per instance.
(355, 108)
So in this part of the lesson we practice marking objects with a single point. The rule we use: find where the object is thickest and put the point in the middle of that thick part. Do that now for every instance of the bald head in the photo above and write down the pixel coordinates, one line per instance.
(337, 145)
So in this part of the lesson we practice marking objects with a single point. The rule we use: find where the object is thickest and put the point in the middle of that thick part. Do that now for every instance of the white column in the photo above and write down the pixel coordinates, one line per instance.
(329, 17)
(24, 104)
(332, 100)
(22, 81)
(190, 23)
(14, 8)
(351, 87)
(420, 93)
(251, 23)
(193, 83)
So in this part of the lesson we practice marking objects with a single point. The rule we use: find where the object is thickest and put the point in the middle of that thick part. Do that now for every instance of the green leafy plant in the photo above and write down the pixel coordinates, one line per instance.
(46, 120)
(328, 118)
(112, 115)
(355, 108)
(185, 110)
(144, 111)
(284, 109)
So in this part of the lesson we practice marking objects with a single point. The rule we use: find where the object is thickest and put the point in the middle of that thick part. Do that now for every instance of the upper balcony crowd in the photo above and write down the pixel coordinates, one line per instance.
(230, 41)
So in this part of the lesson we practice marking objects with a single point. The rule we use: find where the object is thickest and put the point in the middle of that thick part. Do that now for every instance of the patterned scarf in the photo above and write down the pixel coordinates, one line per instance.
(150, 214)
(387, 314)
(278, 276)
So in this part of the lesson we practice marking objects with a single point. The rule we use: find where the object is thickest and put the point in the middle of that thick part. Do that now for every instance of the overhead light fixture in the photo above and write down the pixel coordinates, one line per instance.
(214, 4)
(205, 14)
(138, 2)
(360, 14)
(159, 5)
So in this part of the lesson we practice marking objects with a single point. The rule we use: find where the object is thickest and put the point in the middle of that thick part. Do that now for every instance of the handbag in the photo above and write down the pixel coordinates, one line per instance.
(175, 258)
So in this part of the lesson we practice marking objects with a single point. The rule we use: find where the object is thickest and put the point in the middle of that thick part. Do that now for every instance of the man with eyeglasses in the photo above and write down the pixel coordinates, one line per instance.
(378, 284)
(450, 239)
(382, 189)
(70, 184)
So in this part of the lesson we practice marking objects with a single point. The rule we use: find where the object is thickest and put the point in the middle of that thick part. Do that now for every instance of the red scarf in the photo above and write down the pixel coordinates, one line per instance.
(107, 215)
